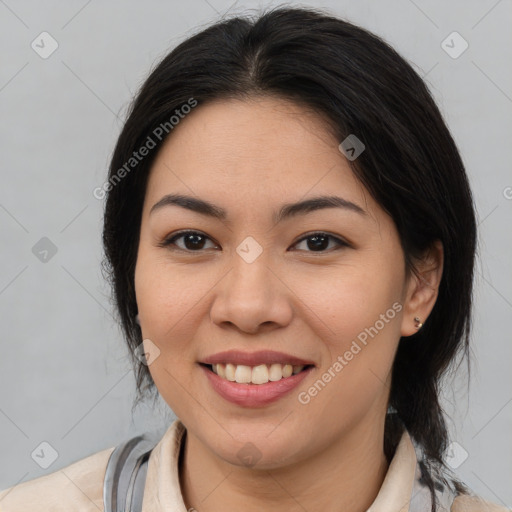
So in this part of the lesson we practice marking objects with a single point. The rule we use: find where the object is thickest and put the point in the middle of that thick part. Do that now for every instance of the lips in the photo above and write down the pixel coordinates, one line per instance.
(253, 395)
(269, 357)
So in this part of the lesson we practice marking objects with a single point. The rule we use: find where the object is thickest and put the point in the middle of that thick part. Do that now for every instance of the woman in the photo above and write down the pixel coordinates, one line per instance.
(290, 237)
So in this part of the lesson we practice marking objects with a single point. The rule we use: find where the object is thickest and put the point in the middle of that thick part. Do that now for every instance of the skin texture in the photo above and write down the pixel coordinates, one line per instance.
(249, 157)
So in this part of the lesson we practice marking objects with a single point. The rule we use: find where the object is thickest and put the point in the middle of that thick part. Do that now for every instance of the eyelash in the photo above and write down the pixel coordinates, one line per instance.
(169, 241)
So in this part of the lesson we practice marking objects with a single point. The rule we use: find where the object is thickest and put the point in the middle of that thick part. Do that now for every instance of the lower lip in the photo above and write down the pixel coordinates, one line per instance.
(254, 395)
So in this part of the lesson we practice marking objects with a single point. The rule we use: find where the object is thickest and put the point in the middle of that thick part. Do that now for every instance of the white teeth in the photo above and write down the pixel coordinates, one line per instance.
(230, 371)
(260, 374)
(243, 374)
(221, 370)
(287, 370)
(276, 372)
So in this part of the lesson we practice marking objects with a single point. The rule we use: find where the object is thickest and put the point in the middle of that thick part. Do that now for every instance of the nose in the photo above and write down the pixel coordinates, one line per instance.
(252, 297)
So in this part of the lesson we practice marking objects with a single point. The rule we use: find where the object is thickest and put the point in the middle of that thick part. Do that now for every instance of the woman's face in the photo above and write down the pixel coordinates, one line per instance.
(249, 283)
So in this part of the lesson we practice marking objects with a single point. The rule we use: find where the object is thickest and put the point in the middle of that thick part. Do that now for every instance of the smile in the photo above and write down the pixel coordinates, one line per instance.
(250, 394)
(260, 374)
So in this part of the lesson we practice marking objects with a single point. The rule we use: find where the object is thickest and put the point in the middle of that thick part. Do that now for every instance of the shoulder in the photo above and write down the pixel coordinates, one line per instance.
(466, 503)
(78, 486)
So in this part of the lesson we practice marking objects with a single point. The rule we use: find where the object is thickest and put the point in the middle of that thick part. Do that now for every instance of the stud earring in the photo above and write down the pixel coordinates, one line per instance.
(418, 323)
(137, 320)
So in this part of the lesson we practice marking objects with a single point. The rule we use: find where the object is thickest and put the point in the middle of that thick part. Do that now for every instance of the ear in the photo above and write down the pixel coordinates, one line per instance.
(422, 287)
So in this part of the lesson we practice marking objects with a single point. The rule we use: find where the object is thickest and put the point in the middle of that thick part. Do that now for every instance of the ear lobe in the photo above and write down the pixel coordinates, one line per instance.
(422, 288)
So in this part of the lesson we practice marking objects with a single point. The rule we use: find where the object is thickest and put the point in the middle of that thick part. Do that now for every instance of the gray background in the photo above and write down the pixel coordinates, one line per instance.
(65, 376)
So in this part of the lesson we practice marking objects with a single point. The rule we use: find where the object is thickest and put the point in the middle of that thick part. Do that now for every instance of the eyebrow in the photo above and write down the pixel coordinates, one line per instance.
(286, 211)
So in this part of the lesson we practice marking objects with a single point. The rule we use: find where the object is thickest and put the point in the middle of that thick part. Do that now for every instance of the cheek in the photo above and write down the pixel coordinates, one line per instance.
(348, 299)
(169, 302)
(356, 315)
(172, 300)
(165, 292)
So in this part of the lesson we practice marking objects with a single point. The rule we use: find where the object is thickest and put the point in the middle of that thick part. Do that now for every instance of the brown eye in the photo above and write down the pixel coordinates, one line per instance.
(193, 241)
(319, 242)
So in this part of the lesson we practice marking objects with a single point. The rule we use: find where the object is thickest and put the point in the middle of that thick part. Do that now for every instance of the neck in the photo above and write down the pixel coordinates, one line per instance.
(347, 475)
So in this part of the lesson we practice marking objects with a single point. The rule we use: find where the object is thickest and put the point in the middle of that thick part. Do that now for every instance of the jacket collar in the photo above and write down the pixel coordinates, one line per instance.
(403, 488)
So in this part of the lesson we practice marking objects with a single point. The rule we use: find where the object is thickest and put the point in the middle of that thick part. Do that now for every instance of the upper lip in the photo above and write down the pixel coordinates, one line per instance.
(255, 358)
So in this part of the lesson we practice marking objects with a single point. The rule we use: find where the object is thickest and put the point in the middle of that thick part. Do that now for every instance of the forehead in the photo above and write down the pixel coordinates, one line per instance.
(264, 149)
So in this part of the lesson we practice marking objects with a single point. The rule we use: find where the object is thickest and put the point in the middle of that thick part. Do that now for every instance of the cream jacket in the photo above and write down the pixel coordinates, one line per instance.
(79, 486)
